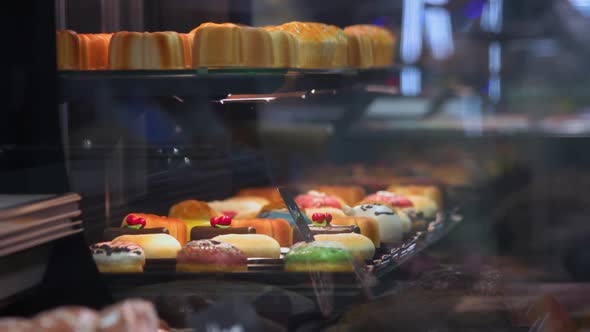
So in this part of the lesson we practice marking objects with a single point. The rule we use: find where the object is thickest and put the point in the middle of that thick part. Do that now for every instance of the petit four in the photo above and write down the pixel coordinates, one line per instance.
(210, 256)
(118, 257)
(358, 245)
(318, 256)
(253, 245)
(155, 246)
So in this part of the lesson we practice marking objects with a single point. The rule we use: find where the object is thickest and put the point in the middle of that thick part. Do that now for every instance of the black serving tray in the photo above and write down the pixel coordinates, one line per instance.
(270, 271)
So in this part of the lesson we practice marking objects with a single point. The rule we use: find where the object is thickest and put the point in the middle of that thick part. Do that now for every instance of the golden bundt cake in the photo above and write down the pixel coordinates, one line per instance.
(382, 43)
(146, 50)
(318, 45)
(94, 51)
(68, 50)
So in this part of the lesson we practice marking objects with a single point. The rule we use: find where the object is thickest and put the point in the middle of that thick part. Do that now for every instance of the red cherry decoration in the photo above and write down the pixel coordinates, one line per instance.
(131, 219)
(214, 221)
(316, 217)
(140, 221)
(328, 218)
(224, 220)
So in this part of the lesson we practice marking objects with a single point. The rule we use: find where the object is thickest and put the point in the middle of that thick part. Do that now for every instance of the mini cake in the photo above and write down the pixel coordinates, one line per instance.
(68, 50)
(155, 246)
(315, 199)
(392, 224)
(321, 256)
(113, 257)
(176, 227)
(380, 41)
(242, 207)
(253, 245)
(194, 213)
(219, 226)
(278, 229)
(425, 206)
(433, 192)
(269, 193)
(146, 50)
(389, 198)
(358, 245)
(318, 45)
(369, 227)
(350, 194)
(210, 256)
(321, 224)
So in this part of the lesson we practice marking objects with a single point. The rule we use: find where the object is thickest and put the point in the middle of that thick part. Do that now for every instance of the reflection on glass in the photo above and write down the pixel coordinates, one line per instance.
(411, 81)
(491, 19)
(439, 32)
(583, 6)
(411, 47)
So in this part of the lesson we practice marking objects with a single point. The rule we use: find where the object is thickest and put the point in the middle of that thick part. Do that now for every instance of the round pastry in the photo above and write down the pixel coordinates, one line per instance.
(392, 224)
(210, 256)
(129, 315)
(388, 198)
(15, 324)
(359, 246)
(194, 213)
(269, 193)
(369, 227)
(424, 205)
(113, 257)
(243, 207)
(65, 319)
(155, 246)
(315, 199)
(318, 256)
(253, 245)
(430, 191)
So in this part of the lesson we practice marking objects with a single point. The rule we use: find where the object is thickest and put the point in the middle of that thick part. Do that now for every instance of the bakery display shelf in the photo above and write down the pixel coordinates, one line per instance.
(216, 82)
(387, 260)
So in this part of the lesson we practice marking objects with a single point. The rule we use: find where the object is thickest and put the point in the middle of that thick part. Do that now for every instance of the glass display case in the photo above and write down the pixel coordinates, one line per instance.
(412, 165)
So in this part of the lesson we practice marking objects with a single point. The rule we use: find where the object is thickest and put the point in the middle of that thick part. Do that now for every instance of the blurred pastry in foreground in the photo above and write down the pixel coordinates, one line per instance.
(253, 245)
(66, 318)
(155, 246)
(194, 213)
(242, 207)
(210, 256)
(129, 315)
(114, 257)
(318, 256)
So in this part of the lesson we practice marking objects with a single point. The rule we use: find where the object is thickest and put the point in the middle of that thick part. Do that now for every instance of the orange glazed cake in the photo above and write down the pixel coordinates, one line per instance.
(318, 45)
(146, 50)
(231, 45)
(382, 43)
(94, 51)
(68, 50)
